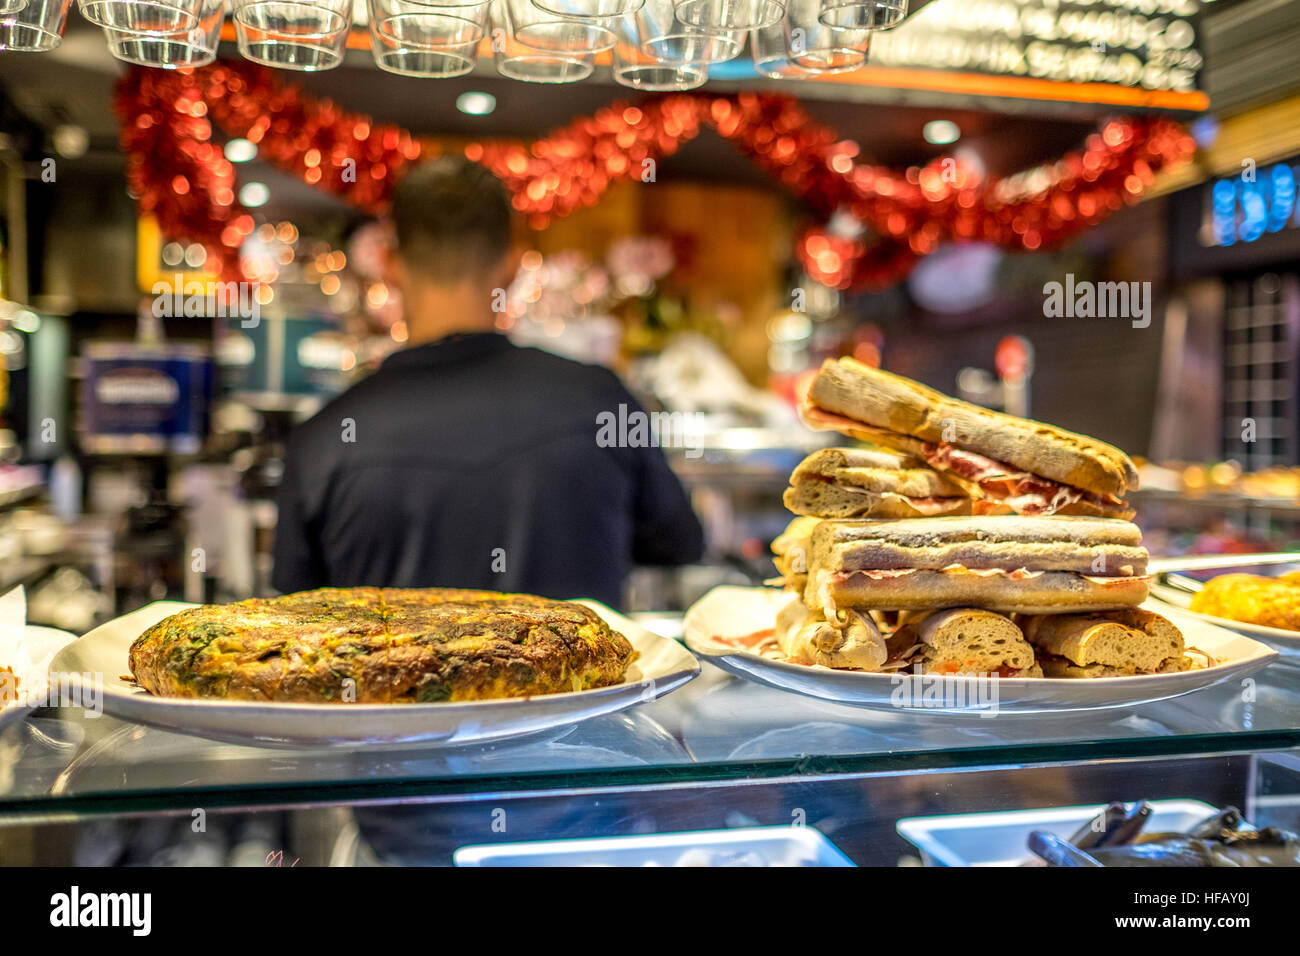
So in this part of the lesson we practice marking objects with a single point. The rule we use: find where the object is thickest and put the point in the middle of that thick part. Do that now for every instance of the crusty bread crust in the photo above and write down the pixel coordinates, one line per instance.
(860, 483)
(792, 550)
(1094, 546)
(875, 471)
(972, 641)
(1053, 592)
(797, 534)
(1059, 667)
(803, 636)
(899, 405)
(835, 501)
(1093, 509)
(1129, 641)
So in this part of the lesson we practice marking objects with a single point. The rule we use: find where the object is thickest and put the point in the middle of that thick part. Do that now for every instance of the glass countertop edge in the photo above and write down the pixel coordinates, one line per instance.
(344, 792)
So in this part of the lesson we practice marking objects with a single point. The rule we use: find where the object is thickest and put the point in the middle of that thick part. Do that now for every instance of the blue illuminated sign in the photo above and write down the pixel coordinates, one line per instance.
(1246, 207)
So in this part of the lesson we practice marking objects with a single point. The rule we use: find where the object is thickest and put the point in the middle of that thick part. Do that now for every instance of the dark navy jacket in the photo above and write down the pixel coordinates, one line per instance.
(472, 462)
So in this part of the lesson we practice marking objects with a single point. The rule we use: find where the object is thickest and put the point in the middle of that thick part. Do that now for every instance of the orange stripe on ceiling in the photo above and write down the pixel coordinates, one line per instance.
(938, 81)
(1019, 87)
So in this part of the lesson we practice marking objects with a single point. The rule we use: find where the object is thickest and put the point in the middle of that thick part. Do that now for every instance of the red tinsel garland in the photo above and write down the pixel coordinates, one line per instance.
(182, 177)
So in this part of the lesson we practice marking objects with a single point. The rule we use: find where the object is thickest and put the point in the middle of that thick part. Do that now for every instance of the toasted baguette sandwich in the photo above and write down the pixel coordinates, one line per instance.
(1001, 563)
(1010, 464)
(971, 641)
(866, 483)
(1112, 644)
(856, 644)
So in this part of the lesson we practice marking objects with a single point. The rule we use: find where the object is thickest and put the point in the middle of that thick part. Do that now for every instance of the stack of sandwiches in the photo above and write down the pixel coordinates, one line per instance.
(966, 541)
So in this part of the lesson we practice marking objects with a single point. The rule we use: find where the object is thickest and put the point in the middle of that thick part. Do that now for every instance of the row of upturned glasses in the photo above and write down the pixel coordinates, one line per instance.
(653, 44)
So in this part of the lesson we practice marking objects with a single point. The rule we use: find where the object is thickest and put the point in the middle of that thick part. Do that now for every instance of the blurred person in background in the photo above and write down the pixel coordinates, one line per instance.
(465, 460)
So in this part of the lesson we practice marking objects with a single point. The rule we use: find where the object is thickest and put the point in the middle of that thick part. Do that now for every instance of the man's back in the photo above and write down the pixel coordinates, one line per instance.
(471, 462)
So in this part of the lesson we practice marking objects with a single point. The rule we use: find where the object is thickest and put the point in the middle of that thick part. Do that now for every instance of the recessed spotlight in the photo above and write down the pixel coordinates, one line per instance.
(253, 195)
(240, 151)
(475, 103)
(941, 132)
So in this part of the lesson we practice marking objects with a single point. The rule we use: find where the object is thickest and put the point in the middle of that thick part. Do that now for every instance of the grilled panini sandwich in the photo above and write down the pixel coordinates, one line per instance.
(1001, 563)
(866, 483)
(1009, 464)
(379, 646)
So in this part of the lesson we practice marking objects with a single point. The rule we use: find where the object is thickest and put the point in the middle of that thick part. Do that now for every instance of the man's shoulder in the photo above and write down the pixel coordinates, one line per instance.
(519, 384)
(333, 417)
(562, 367)
(555, 381)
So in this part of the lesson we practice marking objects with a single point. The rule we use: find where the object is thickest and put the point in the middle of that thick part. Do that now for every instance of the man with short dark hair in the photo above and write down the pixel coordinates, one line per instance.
(467, 461)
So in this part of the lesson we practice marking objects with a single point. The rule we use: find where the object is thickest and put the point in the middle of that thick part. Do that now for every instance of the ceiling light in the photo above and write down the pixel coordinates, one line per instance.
(476, 104)
(240, 151)
(253, 195)
(941, 132)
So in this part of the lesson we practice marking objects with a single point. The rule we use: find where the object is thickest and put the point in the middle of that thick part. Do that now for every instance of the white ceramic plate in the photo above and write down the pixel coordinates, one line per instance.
(1180, 598)
(663, 666)
(39, 646)
(736, 612)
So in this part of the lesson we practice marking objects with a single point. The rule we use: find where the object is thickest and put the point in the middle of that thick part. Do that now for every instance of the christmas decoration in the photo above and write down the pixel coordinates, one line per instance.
(179, 174)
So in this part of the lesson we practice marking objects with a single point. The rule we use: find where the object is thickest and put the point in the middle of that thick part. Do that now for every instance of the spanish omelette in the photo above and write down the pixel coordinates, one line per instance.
(380, 646)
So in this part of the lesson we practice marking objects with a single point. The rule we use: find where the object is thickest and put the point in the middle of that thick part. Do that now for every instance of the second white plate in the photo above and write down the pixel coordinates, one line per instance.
(101, 655)
(729, 613)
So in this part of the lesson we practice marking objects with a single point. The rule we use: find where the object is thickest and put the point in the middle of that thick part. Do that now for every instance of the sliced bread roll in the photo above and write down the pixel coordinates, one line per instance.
(1111, 644)
(810, 639)
(972, 641)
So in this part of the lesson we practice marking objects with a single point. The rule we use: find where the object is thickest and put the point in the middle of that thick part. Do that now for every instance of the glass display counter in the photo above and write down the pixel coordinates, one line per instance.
(720, 752)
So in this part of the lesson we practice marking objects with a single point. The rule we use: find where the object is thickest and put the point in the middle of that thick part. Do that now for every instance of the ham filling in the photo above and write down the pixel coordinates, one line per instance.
(1022, 492)
(1020, 574)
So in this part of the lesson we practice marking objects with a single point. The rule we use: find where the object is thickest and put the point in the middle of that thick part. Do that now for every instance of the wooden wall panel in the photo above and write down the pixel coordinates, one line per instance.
(737, 243)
